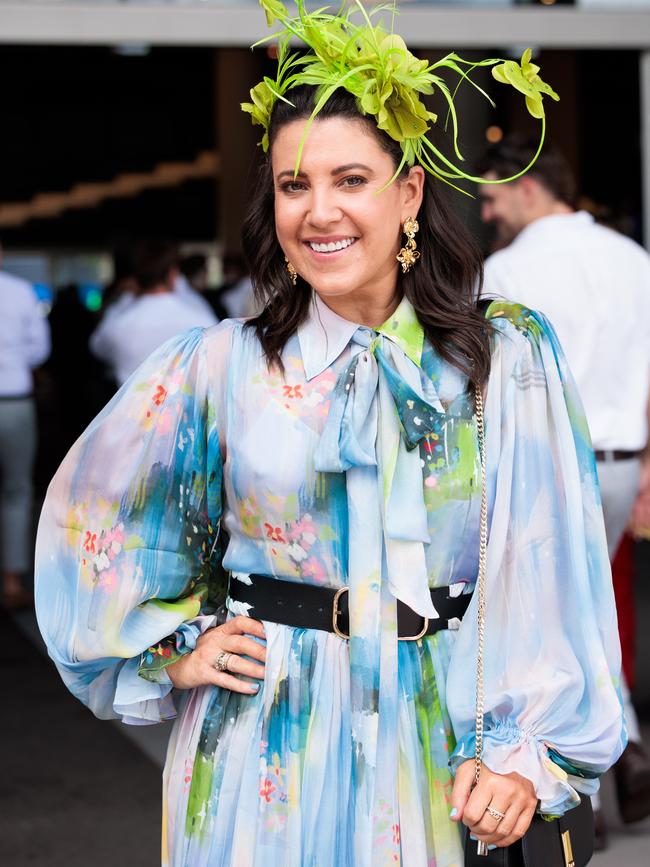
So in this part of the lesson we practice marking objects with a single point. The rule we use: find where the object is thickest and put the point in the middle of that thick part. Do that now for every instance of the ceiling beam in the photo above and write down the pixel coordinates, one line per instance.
(240, 24)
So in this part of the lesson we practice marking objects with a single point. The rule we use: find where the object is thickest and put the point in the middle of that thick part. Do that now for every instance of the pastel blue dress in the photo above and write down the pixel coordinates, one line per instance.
(358, 467)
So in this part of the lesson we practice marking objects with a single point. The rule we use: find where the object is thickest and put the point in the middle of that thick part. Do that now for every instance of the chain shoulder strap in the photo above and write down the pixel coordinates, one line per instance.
(481, 847)
(480, 585)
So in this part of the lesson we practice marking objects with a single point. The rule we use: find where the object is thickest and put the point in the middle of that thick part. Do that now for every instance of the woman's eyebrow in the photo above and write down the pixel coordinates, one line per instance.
(349, 166)
(290, 172)
(337, 171)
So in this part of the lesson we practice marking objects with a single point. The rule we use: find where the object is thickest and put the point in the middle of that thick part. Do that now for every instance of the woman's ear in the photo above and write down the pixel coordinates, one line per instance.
(412, 189)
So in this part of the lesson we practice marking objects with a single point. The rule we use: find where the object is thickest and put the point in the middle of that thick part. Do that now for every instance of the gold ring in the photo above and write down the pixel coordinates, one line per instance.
(221, 662)
(496, 814)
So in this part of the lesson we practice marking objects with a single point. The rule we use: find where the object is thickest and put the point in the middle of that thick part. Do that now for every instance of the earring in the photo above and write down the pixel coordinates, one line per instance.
(408, 255)
(293, 274)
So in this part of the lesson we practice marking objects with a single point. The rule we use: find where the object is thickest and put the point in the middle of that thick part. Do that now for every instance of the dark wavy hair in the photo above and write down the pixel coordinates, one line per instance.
(442, 287)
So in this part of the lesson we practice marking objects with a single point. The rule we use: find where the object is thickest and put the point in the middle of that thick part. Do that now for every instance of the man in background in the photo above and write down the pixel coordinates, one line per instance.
(594, 286)
(154, 312)
(24, 345)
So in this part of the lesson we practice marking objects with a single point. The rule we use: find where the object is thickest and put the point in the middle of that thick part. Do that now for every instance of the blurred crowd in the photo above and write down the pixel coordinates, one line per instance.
(593, 283)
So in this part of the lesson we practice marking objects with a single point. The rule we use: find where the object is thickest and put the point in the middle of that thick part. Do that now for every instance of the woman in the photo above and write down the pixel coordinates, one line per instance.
(333, 440)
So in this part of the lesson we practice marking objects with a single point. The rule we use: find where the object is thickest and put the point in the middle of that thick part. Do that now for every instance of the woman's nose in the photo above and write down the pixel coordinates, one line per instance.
(323, 208)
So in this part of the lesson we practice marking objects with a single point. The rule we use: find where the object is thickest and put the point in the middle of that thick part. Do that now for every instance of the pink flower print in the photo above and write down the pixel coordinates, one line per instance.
(159, 395)
(293, 391)
(396, 834)
(312, 568)
(90, 542)
(108, 579)
(304, 527)
(266, 790)
(274, 533)
(187, 778)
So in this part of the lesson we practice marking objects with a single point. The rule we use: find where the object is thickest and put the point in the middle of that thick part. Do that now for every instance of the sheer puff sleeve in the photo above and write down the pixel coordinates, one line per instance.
(127, 540)
(552, 657)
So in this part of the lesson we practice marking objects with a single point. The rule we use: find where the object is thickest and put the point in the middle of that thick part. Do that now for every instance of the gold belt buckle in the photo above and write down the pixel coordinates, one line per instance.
(336, 611)
(420, 634)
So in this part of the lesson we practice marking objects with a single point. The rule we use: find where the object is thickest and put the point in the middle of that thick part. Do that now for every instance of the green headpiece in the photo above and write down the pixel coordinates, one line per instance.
(388, 81)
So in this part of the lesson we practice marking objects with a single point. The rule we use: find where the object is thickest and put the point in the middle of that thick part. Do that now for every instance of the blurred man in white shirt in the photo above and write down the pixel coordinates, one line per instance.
(135, 328)
(24, 345)
(594, 286)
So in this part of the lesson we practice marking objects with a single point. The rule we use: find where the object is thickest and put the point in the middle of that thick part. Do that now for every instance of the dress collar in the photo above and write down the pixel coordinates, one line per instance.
(324, 334)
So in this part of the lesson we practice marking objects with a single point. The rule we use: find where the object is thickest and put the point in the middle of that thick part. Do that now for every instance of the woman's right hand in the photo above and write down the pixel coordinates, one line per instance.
(198, 667)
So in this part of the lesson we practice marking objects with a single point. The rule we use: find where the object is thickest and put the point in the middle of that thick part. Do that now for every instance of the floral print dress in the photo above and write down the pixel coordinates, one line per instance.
(359, 467)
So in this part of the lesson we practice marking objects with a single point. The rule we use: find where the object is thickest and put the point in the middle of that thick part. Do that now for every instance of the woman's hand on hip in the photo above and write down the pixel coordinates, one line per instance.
(199, 668)
(509, 794)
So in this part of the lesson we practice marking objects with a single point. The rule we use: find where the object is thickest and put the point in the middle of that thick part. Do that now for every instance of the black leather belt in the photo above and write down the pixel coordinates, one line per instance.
(616, 454)
(307, 606)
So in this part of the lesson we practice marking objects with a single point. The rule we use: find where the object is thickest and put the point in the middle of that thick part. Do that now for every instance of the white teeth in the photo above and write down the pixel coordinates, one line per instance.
(332, 246)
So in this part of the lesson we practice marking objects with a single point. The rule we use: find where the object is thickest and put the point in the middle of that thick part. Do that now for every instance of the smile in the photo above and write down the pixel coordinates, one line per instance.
(332, 246)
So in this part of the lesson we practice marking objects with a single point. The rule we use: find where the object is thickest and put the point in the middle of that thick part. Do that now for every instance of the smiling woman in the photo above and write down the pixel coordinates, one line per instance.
(342, 192)
(335, 223)
(346, 457)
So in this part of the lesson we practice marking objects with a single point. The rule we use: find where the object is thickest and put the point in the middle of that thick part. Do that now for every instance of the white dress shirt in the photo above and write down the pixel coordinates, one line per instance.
(594, 286)
(24, 336)
(183, 287)
(135, 328)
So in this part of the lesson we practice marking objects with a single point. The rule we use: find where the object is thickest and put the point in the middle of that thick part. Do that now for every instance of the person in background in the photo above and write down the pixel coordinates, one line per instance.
(594, 285)
(157, 312)
(192, 282)
(24, 345)
(236, 295)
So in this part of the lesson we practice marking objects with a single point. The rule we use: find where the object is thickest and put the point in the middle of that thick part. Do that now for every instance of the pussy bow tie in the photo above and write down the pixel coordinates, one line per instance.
(378, 416)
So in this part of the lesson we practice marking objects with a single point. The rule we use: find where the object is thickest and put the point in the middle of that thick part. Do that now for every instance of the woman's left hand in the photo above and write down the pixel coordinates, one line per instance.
(510, 794)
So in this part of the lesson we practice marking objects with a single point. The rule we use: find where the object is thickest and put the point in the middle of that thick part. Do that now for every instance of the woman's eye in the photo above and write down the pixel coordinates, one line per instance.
(353, 181)
(292, 187)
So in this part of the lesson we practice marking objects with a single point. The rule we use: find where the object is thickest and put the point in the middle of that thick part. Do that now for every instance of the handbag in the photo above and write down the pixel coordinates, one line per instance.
(567, 841)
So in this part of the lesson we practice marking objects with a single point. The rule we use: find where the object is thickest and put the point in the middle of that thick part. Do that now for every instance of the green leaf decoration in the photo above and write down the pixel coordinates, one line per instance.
(524, 77)
(353, 49)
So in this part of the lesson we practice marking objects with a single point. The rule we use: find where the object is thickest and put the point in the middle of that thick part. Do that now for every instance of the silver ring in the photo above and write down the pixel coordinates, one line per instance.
(496, 814)
(221, 662)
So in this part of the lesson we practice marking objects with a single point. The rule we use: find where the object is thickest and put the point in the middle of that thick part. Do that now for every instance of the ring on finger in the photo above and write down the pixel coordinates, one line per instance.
(221, 661)
(496, 814)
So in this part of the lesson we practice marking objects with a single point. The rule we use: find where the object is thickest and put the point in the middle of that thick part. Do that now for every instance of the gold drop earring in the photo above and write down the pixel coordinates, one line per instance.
(408, 255)
(293, 274)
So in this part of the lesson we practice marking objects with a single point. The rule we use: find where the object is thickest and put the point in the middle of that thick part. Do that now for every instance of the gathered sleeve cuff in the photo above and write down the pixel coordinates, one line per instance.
(507, 748)
(553, 711)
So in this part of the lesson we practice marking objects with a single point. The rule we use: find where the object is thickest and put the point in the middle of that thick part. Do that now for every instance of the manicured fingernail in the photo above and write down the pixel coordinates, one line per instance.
(453, 812)
(492, 846)
(255, 687)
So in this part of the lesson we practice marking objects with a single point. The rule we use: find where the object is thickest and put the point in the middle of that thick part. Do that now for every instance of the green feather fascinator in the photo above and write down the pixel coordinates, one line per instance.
(353, 49)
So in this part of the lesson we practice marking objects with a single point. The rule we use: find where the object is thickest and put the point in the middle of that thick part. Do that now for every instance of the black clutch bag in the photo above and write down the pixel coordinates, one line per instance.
(564, 842)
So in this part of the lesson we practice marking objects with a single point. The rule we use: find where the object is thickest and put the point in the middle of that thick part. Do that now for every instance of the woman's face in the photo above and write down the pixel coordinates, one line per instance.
(339, 232)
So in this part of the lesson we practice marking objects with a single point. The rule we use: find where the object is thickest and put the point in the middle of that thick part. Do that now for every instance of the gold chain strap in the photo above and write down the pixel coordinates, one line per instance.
(480, 590)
